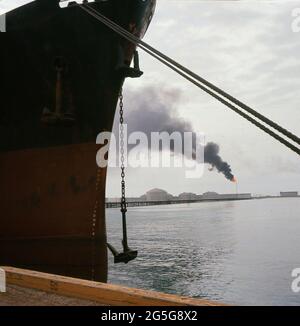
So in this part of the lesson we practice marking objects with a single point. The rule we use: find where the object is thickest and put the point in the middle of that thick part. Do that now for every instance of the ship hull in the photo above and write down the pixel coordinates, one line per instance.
(83, 258)
(59, 91)
(57, 182)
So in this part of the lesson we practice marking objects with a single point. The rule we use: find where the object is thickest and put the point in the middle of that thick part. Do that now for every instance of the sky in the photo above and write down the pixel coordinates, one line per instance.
(248, 49)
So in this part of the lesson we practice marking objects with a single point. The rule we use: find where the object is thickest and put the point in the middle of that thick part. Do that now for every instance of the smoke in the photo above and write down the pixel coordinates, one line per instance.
(211, 156)
(154, 110)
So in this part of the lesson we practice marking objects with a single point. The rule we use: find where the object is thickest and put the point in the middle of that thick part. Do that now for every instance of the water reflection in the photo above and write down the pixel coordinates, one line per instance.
(174, 252)
(235, 252)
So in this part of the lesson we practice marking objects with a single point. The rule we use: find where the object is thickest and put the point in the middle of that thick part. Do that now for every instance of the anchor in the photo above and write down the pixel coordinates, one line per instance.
(128, 254)
(63, 96)
(124, 69)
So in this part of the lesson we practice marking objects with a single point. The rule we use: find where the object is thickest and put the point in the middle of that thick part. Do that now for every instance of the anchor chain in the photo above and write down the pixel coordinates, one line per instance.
(123, 184)
(128, 254)
(122, 155)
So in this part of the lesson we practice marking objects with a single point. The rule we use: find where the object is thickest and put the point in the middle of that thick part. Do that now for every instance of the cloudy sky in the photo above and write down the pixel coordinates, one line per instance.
(246, 48)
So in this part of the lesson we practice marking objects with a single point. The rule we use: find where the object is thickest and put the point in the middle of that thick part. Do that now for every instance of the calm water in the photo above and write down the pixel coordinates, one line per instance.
(236, 252)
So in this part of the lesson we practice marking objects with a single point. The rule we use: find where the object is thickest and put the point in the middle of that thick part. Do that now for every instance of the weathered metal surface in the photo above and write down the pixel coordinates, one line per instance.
(51, 190)
(83, 258)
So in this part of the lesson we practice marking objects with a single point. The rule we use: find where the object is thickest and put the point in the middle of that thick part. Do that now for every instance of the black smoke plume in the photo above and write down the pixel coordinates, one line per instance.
(154, 110)
(211, 156)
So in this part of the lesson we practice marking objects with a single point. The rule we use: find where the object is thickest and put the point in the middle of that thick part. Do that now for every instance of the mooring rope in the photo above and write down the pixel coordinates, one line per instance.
(211, 89)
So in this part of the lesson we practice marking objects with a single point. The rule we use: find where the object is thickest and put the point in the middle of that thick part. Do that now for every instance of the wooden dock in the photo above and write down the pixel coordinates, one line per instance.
(24, 287)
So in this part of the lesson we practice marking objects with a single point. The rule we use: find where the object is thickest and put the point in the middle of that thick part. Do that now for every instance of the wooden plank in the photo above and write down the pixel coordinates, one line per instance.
(105, 294)
(17, 296)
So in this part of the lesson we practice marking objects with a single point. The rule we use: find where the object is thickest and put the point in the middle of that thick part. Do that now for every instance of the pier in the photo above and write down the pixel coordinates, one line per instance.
(191, 201)
(168, 202)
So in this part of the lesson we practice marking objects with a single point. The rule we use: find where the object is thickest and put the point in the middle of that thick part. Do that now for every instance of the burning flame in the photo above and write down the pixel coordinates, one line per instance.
(211, 168)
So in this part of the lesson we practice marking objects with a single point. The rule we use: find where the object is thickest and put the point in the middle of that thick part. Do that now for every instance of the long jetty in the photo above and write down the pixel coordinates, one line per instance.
(169, 202)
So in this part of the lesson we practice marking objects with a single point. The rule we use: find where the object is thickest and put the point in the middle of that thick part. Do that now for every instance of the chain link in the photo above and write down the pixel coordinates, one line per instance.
(122, 154)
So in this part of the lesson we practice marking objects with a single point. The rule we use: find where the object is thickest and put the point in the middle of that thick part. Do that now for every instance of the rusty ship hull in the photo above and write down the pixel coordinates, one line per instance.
(59, 90)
